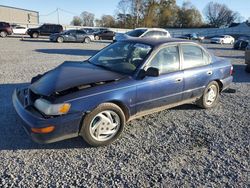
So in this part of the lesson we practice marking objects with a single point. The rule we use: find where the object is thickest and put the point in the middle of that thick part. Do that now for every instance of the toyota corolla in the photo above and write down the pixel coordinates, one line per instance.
(95, 98)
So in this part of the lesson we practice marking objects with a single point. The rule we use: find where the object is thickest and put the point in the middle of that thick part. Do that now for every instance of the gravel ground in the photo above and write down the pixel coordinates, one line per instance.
(181, 147)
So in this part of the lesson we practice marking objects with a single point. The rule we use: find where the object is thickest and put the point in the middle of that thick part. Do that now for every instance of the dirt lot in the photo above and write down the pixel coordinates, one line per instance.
(185, 146)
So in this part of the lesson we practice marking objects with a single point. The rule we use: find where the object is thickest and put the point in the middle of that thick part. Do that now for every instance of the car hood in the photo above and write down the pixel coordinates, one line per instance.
(70, 75)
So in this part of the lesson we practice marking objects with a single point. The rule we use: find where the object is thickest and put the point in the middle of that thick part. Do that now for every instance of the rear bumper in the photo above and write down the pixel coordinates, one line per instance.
(226, 82)
(66, 126)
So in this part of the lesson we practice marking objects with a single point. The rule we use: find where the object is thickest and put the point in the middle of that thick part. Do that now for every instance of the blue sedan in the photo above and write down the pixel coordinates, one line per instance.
(128, 79)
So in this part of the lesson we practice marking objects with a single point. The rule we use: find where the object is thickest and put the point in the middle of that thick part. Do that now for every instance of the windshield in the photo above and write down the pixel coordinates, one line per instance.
(123, 57)
(136, 33)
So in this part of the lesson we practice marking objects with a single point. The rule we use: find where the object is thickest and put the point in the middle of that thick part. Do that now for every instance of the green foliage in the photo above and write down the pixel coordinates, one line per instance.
(76, 21)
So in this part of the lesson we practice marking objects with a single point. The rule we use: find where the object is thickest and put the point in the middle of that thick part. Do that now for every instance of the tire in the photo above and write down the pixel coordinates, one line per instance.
(3, 34)
(59, 39)
(35, 35)
(99, 117)
(97, 38)
(87, 40)
(204, 101)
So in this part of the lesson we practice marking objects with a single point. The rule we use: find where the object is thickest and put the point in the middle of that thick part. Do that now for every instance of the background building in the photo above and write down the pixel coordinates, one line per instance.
(18, 16)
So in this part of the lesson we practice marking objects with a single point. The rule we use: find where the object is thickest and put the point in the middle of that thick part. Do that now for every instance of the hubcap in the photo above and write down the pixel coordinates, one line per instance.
(211, 94)
(105, 125)
(60, 39)
(87, 40)
(3, 34)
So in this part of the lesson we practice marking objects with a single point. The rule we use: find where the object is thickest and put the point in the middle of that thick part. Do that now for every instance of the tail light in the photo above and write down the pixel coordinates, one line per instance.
(231, 70)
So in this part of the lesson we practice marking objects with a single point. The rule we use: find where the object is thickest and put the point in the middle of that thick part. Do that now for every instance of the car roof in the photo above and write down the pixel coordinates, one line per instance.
(151, 29)
(158, 42)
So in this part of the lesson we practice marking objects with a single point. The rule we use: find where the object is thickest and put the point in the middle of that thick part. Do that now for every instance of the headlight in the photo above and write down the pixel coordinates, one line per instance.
(51, 109)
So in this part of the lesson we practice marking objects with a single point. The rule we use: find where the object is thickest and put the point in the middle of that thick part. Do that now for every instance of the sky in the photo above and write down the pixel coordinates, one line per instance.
(100, 7)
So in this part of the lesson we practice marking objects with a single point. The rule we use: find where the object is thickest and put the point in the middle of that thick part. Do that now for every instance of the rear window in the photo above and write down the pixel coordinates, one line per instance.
(3, 24)
(192, 56)
(136, 33)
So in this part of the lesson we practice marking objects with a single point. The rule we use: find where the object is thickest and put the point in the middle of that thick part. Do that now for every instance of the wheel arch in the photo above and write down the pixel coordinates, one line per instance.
(220, 84)
(122, 106)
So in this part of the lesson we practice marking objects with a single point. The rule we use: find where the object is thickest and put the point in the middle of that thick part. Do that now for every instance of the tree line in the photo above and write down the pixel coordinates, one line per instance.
(161, 13)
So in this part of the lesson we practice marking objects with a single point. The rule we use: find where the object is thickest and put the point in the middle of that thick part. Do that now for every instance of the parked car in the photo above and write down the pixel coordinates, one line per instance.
(19, 30)
(143, 33)
(193, 36)
(89, 30)
(223, 39)
(126, 80)
(72, 35)
(44, 30)
(241, 43)
(5, 29)
(104, 35)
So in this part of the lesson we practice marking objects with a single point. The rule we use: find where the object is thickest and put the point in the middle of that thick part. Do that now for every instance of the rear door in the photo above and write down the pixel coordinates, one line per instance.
(45, 30)
(197, 70)
(154, 92)
(80, 35)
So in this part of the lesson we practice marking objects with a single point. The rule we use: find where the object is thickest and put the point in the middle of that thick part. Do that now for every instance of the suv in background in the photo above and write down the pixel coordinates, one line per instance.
(44, 30)
(5, 29)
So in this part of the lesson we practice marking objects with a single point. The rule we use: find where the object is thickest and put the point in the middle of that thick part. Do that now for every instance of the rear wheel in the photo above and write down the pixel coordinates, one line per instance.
(87, 40)
(59, 39)
(3, 34)
(35, 35)
(103, 125)
(210, 97)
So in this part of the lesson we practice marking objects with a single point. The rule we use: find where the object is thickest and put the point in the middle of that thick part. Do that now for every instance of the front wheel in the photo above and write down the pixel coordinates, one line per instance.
(3, 34)
(103, 125)
(97, 37)
(210, 97)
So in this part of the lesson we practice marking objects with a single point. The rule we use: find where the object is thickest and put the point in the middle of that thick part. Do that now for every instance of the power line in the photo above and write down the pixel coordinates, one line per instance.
(49, 13)
(68, 12)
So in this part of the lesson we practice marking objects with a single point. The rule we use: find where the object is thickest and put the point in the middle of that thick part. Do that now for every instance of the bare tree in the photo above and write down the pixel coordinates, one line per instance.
(137, 10)
(219, 15)
(76, 21)
(88, 18)
(123, 9)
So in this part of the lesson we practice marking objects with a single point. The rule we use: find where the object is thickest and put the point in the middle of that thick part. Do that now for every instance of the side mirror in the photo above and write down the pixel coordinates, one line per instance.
(151, 71)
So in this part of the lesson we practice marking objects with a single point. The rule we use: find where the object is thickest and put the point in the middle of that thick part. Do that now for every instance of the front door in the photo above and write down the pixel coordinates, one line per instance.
(154, 92)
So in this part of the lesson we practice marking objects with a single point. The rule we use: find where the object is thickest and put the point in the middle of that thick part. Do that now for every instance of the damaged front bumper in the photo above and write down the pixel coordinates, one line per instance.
(66, 126)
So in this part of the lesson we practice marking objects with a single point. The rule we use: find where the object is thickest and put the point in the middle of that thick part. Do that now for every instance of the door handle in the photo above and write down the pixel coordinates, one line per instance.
(178, 79)
(209, 72)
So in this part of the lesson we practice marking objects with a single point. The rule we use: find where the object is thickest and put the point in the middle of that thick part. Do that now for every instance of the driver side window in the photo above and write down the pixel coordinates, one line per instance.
(166, 60)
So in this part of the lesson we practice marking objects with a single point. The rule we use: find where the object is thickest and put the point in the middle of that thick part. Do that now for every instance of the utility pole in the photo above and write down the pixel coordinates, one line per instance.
(58, 20)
